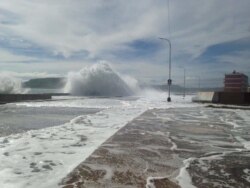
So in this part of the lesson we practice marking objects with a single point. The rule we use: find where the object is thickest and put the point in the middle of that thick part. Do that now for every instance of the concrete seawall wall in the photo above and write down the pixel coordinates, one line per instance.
(238, 98)
(206, 97)
(6, 98)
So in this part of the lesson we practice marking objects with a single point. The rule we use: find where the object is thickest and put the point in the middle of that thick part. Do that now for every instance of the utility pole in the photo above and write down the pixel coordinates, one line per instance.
(184, 84)
(199, 83)
(169, 79)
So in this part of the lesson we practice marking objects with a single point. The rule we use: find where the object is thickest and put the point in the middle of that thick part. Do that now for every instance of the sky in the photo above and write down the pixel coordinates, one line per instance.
(50, 38)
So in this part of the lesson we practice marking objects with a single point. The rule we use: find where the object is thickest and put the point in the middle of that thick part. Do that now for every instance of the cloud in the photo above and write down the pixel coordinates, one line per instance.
(76, 33)
(7, 56)
(27, 75)
(67, 27)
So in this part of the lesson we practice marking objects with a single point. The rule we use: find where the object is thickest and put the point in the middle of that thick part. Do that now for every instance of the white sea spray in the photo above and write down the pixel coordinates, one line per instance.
(10, 85)
(99, 80)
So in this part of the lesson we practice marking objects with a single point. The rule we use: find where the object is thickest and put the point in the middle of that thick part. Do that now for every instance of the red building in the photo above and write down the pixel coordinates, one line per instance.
(236, 82)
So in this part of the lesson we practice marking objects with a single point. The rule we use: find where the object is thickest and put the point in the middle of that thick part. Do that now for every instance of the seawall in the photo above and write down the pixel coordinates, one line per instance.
(7, 98)
(237, 98)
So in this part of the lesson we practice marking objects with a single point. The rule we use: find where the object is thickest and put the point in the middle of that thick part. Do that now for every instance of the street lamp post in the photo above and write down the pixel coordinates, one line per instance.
(199, 83)
(169, 79)
(184, 84)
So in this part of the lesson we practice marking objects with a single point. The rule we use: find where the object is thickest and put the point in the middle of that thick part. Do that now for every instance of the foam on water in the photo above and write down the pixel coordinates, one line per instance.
(28, 159)
(240, 125)
(184, 178)
(40, 158)
(236, 122)
(247, 175)
(150, 181)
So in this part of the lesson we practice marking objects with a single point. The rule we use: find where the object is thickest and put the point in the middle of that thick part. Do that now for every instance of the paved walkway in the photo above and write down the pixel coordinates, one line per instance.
(169, 148)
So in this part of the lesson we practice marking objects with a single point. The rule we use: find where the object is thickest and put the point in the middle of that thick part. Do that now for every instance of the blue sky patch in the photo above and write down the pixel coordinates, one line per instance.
(20, 46)
(139, 48)
(226, 48)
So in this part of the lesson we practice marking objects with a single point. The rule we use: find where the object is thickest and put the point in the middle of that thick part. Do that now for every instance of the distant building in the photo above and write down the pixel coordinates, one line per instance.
(236, 82)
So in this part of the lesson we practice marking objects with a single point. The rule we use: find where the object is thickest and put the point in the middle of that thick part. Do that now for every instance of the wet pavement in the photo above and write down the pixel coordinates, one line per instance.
(171, 148)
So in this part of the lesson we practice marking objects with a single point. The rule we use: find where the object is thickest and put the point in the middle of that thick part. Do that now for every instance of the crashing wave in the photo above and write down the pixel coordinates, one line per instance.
(97, 80)
(10, 85)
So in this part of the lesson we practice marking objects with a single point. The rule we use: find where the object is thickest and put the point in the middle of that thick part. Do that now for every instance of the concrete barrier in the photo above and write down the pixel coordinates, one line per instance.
(240, 98)
(237, 98)
(7, 98)
(207, 97)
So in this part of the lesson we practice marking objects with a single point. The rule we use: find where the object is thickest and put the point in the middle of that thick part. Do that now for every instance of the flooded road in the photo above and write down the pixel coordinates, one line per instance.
(177, 147)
